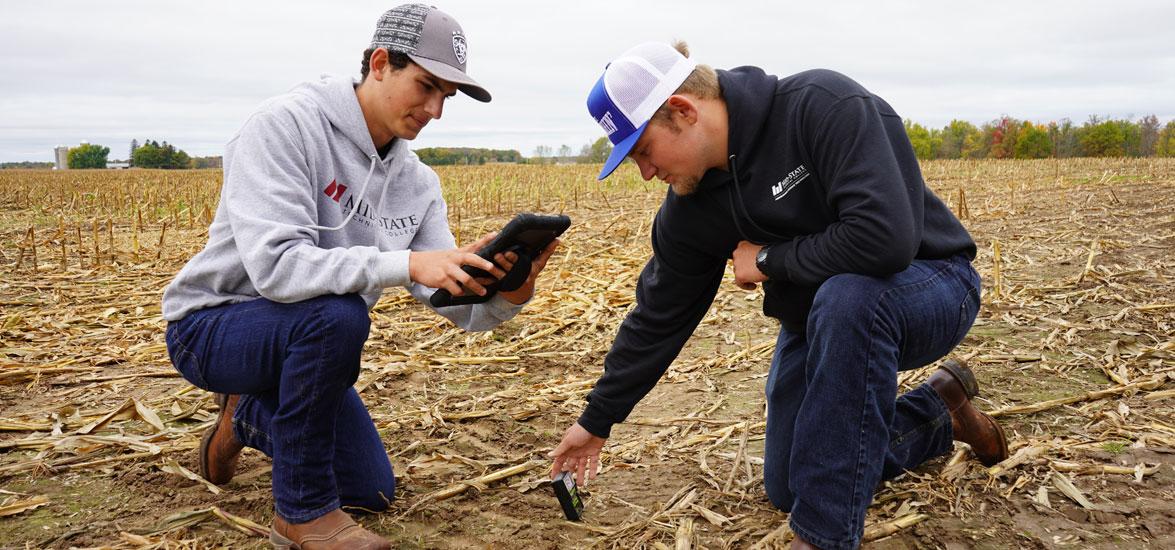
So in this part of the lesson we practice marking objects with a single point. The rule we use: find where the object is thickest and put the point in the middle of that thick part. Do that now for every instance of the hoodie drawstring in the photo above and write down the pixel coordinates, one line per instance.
(362, 193)
(738, 206)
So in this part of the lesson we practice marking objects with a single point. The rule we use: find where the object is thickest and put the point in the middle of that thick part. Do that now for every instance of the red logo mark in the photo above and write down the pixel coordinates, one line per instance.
(335, 190)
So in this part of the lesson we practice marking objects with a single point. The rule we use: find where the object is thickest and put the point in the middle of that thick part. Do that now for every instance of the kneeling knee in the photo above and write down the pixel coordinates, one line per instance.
(346, 313)
(775, 483)
(844, 297)
(780, 497)
(343, 320)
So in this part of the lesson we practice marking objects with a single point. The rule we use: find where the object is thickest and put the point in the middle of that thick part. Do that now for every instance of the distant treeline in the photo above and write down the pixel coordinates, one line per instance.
(207, 162)
(439, 156)
(25, 165)
(1003, 138)
(152, 154)
(1007, 137)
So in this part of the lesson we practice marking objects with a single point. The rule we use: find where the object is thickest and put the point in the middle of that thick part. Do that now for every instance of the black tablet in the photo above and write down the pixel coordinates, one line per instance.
(526, 235)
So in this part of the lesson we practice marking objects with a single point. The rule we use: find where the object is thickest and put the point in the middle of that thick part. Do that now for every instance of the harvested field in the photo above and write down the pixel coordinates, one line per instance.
(1074, 349)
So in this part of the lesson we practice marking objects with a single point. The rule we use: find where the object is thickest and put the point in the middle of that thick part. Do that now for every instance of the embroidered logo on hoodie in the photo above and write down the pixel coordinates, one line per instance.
(364, 214)
(335, 190)
(781, 189)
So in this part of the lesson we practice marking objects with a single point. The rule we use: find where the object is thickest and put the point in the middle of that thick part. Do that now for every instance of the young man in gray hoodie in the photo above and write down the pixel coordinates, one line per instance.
(323, 206)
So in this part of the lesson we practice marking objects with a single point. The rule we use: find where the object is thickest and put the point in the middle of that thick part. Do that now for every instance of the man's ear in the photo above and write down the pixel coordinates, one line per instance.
(684, 107)
(377, 63)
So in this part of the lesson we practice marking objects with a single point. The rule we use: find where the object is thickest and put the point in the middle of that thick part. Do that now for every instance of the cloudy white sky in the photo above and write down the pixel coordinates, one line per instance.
(190, 72)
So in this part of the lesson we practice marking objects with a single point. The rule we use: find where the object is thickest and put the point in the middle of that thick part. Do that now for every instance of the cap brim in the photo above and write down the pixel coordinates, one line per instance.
(620, 151)
(445, 71)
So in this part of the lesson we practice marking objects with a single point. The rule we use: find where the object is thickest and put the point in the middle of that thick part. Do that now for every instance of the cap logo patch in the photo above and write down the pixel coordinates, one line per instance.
(460, 47)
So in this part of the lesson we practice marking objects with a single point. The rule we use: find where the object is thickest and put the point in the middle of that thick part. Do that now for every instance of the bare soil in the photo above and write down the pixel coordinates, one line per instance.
(1082, 310)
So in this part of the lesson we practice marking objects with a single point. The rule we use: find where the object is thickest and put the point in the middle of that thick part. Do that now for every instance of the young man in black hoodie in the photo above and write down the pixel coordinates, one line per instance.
(810, 185)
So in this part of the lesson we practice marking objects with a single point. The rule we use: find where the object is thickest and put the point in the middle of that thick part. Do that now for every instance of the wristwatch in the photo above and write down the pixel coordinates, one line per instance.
(761, 259)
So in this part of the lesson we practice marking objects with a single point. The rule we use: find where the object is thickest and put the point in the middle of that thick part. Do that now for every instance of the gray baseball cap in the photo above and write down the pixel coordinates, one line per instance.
(432, 39)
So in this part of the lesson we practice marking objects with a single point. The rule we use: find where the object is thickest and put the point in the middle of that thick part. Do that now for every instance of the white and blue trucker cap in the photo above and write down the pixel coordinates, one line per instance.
(631, 89)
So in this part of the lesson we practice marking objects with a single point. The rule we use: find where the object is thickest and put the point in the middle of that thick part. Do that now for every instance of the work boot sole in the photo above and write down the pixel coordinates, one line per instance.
(281, 543)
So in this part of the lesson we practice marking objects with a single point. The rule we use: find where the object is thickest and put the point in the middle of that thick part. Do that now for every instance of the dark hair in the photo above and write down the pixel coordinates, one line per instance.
(398, 59)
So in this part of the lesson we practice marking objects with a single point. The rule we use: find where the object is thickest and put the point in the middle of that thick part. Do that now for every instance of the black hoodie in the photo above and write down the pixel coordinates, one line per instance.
(822, 171)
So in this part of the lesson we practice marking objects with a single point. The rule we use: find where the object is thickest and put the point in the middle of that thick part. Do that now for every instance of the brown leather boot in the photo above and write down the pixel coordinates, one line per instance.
(334, 530)
(219, 449)
(955, 384)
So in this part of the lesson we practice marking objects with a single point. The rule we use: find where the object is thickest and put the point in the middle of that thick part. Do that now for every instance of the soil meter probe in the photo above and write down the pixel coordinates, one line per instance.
(564, 485)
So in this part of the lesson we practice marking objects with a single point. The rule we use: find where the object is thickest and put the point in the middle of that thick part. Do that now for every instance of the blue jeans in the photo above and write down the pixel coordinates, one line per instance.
(294, 366)
(835, 424)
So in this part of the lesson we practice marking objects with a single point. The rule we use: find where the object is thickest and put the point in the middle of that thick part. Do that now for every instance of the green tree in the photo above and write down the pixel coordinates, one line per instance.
(1103, 139)
(1032, 142)
(600, 150)
(87, 155)
(925, 142)
(153, 155)
(148, 155)
(954, 138)
(1165, 145)
(1131, 137)
(977, 145)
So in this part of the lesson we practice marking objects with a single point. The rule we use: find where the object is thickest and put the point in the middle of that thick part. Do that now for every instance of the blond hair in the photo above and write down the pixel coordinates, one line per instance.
(702, 83)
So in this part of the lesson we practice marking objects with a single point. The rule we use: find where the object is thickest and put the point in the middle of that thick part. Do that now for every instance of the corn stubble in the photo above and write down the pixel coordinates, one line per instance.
(1074, 350)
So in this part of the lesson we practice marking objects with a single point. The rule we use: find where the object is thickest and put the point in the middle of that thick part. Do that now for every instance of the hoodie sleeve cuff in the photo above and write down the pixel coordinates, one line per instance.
(504, 309)
(777, 261)
(391, 269)
(595, 421)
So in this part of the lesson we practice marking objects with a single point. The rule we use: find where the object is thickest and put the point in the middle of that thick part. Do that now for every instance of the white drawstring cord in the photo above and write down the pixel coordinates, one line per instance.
(362, 193)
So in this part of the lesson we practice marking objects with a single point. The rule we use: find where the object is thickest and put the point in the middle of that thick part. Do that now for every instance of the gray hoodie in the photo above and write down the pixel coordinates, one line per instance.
(304, 162)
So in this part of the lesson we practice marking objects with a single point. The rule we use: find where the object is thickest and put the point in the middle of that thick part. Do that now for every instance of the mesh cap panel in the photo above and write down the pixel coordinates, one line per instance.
(629, 84)
(659, 57)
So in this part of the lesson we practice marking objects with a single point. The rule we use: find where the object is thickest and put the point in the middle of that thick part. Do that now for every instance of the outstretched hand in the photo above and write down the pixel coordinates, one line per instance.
(579, 452)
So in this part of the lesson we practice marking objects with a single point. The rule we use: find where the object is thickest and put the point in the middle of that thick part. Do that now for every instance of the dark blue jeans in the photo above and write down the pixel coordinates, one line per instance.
(835, 424)
(294, 366)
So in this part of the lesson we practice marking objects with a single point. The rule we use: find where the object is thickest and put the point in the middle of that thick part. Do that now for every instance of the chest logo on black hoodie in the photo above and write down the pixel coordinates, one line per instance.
(785, 185)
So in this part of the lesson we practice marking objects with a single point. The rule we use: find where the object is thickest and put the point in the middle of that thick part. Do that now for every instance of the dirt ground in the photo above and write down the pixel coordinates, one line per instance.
(1074, 350)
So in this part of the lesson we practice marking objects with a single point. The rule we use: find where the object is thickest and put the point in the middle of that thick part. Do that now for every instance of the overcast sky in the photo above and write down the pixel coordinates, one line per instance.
(191, 72)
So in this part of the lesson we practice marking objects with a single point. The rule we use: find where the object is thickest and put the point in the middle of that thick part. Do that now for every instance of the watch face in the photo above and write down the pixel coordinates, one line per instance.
(761, 258)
